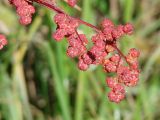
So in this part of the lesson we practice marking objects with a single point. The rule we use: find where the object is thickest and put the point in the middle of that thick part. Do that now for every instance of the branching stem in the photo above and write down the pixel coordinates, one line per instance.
(59, 10)
(53, 6)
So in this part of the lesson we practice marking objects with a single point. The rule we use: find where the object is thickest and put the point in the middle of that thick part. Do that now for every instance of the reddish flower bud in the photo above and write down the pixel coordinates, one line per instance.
(128, 28)
(108, 33)
(111, 82)
(87, 59)
(109, 48)
(134, 53)
(119, 89)
(82, 65)
(115, 58)
(25, 20)
(107, 23)
(113, 97)
(116, 34)
(110, 66)
(59, 34)
(72, 52)
(24, 10)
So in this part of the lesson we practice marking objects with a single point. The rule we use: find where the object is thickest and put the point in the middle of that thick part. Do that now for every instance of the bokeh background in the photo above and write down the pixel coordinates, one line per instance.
(39, 82)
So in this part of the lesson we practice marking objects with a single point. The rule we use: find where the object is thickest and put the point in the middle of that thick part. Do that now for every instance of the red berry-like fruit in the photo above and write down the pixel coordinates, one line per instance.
(82, 66)
(24, 10)
(111, 82)
(128, 28)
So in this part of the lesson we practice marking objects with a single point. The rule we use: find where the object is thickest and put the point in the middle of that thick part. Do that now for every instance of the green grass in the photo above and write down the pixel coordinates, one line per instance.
(39, 82)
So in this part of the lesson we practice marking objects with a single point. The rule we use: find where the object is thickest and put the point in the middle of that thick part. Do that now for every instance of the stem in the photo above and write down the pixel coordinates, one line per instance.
(78, 35)
(49, 5)
(89, 25)
(58, 10)
(120, 53)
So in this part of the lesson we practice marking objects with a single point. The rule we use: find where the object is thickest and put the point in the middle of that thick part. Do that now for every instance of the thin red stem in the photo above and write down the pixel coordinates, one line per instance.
(78, 35)
(120, 53)
(89, 25)
(58, 10)
(49, 5)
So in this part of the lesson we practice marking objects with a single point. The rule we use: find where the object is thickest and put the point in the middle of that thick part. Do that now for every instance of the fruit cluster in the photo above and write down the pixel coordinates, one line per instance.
(104, 51)
(104, 43)
(24, 10)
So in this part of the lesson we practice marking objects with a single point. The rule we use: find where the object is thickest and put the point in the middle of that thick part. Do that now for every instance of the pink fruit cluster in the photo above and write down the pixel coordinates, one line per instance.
(66, 26)
(125, 75)
(3, 41)
(72, 2)
(118, 91)
(104, 43)
(24, 10)
(104, 51)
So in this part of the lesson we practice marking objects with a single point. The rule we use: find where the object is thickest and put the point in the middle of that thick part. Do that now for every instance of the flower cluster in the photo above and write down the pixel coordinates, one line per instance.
(126, 75)
(118, 91)
(104, 43)
(104, 51)
(3, 41)
(24, 10)
(66, 26)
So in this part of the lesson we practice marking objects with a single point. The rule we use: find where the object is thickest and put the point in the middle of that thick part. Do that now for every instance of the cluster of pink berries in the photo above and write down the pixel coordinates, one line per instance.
(3, 41)
(24, 10)
(104, 43)
(66, 27)
(126, 75)
(72, 2)
(103, 52)
(118, 91)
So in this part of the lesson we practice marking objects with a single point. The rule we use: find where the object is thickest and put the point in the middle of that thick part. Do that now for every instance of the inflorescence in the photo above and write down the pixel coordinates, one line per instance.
(24, 9)
(104, 51)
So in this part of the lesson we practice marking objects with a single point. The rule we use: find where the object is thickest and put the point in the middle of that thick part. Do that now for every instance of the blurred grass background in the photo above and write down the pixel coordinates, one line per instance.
(39, 82)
